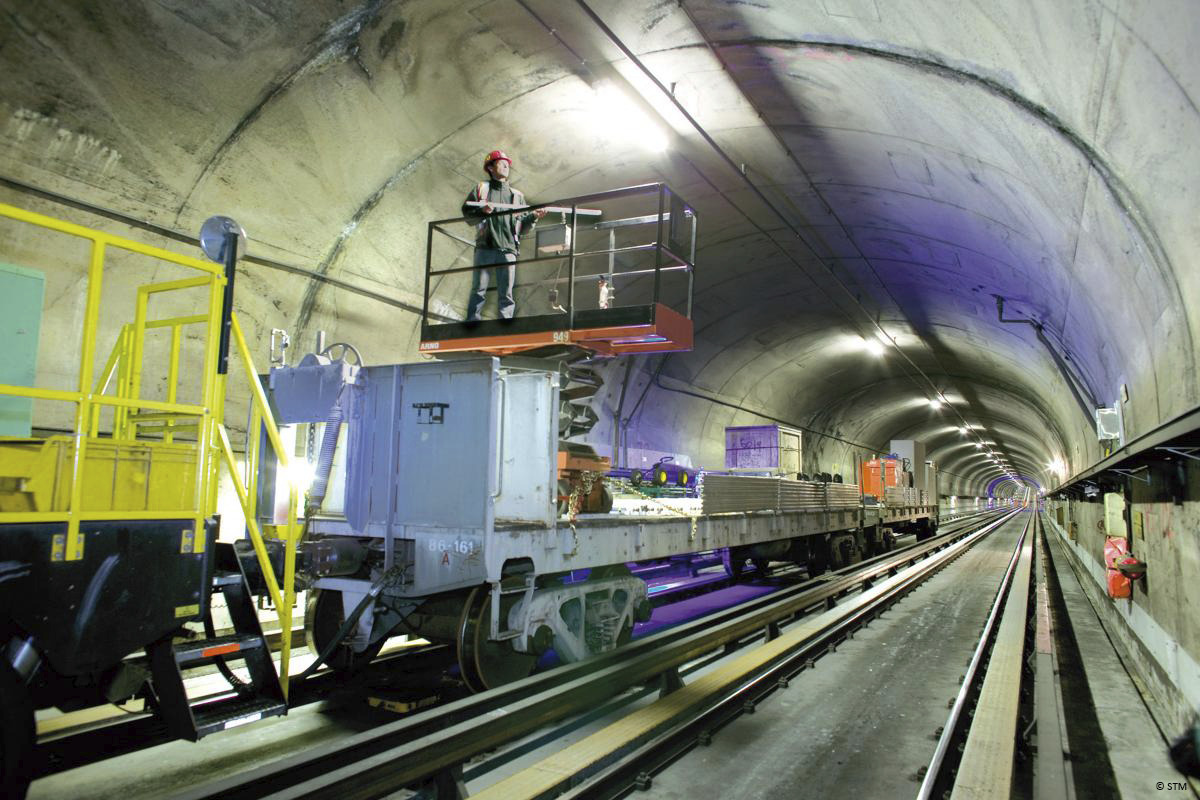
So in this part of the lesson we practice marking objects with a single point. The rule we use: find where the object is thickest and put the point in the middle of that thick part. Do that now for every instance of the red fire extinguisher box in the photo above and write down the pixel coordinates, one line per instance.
(1115, 547)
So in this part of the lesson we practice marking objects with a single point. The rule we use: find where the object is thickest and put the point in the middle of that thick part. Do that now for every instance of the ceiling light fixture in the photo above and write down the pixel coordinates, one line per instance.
(619, 119)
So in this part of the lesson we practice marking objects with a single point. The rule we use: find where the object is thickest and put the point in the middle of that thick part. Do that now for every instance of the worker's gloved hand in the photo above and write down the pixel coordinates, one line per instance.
(539, 212)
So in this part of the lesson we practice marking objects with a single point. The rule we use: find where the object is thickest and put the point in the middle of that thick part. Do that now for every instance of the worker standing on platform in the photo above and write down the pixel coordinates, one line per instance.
(498, 233)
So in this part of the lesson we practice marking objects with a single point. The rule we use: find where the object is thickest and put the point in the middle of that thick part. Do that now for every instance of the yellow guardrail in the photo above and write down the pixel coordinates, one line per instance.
(134, 417)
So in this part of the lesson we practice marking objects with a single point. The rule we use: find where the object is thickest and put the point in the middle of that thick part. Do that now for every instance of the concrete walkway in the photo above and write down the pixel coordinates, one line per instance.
(1136, 748)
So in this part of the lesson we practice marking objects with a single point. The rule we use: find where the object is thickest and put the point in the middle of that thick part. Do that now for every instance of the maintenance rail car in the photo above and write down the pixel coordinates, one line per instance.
(450, 528)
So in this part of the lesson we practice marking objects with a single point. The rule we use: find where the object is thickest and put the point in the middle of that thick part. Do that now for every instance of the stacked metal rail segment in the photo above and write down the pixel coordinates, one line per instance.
(440, 517)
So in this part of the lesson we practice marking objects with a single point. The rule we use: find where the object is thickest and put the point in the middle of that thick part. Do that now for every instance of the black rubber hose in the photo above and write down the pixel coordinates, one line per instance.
(347, 625)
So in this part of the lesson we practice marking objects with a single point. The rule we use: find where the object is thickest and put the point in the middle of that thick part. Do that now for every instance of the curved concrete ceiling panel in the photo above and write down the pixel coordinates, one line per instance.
(865, 174)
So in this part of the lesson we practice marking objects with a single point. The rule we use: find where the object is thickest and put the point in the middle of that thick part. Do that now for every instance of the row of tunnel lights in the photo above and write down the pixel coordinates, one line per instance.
(1056, 465)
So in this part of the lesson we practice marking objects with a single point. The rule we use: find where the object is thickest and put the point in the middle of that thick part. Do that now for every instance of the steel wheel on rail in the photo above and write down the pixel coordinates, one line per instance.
(485, 664)
(819, 555)
(17, 734)
(323, 615)
(734, 561)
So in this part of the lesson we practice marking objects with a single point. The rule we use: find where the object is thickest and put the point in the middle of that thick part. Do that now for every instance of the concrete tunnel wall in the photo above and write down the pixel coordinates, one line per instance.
(897, 166)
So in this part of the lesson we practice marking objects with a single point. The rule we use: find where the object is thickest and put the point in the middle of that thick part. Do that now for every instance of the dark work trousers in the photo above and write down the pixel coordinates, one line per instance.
(504, 282)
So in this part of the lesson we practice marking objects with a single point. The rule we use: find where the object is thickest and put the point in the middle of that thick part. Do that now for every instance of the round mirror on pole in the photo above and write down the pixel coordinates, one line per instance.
(212, 237)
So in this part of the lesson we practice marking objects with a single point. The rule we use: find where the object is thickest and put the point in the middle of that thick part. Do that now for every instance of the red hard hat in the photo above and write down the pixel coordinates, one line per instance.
(495, 155)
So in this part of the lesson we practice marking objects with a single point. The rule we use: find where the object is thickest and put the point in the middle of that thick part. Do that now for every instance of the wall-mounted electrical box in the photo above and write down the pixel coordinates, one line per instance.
(1108, 423)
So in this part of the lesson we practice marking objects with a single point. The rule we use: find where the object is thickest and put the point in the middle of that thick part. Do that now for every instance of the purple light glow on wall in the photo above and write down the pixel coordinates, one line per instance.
(991, 487)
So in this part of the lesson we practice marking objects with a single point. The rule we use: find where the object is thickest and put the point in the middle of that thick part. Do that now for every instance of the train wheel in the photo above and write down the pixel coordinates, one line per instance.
(734, 559)
(323, 615)
(486, 664)
(17, 735)
(818, 556)
(762, 566)
(626, 634)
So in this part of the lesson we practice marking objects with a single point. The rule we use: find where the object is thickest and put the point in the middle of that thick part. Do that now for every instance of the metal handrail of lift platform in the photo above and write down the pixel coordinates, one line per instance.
(639, 328)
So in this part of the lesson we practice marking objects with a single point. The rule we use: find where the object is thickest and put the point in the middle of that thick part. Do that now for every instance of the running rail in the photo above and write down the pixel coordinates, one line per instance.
(1018, 564)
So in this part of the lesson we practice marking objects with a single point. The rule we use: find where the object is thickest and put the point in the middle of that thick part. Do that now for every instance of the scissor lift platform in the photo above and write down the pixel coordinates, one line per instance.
(653, 328)
(641, 240)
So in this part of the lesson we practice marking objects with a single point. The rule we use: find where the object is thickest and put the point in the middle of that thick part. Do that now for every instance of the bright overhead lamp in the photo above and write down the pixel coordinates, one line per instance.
(935, 403)
(619, 119)
(874, 347)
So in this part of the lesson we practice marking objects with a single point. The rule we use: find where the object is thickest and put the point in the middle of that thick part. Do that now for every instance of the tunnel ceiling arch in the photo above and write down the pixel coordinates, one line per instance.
(899, 166)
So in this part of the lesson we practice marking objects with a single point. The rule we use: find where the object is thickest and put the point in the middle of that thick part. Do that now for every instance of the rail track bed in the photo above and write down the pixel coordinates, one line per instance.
(329, 712)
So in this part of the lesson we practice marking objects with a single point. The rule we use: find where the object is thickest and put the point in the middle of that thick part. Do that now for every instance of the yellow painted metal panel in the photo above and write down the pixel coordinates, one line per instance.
(64, 516)
(117, 476)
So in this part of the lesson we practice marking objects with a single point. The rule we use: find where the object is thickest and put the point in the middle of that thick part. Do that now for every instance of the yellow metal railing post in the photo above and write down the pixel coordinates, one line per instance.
(253, 442)
(205, 444)
(83, 409)
(259, 398)
(104, 380)
(256, 537)
(137, 352)
(173, 375)
(123, 367)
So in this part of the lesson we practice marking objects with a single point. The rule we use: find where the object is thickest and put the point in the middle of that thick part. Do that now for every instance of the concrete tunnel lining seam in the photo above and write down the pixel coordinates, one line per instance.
(829, 209)
(1124, 197)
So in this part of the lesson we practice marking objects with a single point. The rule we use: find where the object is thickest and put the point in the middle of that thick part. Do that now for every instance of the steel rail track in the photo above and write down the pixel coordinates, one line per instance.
(436, 742)
(120, 736)
(939, 774)
(632, 761)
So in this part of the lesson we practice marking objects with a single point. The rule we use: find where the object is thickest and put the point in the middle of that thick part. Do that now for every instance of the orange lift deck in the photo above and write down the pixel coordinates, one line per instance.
(611, 273)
